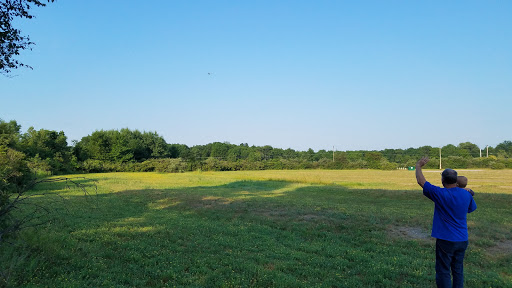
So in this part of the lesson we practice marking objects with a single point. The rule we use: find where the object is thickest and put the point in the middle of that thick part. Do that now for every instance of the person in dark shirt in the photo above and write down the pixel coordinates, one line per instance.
(450, 228)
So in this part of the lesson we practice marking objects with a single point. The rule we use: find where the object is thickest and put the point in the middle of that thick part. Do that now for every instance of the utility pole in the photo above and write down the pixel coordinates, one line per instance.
(440, 166)
(480, 152)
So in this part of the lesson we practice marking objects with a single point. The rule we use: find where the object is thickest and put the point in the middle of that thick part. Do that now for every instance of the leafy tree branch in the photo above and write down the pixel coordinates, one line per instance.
(12, 41)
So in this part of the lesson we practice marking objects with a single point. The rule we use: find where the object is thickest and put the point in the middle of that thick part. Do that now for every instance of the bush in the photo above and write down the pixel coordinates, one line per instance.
(455, 162)
(497, 165)
(274, 164)
(385, 165)
(507, 163)
(98, 166)
(39, 167)
(358, 164)
(174, 165)
(15, 176)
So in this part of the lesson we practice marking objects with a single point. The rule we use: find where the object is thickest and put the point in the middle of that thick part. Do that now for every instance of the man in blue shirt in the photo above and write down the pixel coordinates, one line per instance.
(452, 204)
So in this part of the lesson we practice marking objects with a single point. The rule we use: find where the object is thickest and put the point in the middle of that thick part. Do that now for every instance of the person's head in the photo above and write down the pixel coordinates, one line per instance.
(449, 177)
(462, 181)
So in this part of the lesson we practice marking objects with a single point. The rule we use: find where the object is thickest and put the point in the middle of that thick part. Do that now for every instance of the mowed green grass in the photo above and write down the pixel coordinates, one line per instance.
(312, 228)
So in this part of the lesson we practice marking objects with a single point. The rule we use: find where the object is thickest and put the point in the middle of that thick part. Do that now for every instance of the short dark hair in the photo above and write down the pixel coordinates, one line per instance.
(449, 176)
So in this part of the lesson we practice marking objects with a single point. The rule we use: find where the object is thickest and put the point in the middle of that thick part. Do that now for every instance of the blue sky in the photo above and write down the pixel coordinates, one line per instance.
(291, 74)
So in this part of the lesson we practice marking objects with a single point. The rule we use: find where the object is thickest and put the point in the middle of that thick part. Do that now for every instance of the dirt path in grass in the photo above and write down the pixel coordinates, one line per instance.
(409, 232)
(502, 248)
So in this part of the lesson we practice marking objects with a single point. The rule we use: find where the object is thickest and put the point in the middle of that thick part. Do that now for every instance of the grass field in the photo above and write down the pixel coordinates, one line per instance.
(312, 228)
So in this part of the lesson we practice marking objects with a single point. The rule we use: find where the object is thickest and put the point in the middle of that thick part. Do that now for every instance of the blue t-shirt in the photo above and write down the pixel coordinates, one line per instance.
(451, 209)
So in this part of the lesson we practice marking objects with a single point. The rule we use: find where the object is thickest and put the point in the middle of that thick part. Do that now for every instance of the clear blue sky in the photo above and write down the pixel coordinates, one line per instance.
(291, 74)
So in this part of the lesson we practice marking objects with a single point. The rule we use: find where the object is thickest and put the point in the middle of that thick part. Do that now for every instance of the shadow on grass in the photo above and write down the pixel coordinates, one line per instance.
(251, 233)
(288, 203)
(63, 184)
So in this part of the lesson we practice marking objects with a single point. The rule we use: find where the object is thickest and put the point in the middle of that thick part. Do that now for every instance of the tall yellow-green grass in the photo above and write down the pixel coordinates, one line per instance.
(482, 181)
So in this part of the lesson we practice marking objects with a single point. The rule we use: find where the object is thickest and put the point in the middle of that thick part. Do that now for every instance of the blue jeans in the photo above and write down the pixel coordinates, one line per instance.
(449, 256)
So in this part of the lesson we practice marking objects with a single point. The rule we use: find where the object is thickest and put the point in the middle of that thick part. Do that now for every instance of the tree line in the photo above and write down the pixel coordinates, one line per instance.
(47, 152)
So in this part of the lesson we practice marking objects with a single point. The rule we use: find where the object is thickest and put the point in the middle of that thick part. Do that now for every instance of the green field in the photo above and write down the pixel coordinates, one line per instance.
(312, 228)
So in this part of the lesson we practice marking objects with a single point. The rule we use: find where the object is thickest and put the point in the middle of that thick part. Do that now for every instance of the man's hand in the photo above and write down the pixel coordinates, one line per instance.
(419, 174)
(424, 160)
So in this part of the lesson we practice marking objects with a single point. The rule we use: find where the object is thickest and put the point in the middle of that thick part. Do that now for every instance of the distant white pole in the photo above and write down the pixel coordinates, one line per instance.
(440, 166)
(480, 152)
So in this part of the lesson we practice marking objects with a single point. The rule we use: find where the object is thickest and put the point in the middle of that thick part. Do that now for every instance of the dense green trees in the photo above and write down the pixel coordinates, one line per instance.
(47, 152)
(122, 146)
(9, 133)
(504, 149)
(44, 151)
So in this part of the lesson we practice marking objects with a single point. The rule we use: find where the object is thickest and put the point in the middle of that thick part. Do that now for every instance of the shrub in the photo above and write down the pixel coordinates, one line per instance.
(385, 165)
(455, 162)
(39, 167)
(497, 165)
(507, 163)
(358, 164)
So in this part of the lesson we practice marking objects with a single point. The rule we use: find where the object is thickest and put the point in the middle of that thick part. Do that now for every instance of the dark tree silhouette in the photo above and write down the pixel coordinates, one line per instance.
(11, 39)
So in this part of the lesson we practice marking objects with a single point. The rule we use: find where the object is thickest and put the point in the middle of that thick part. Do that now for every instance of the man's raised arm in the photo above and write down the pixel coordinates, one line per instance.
(419, 173)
